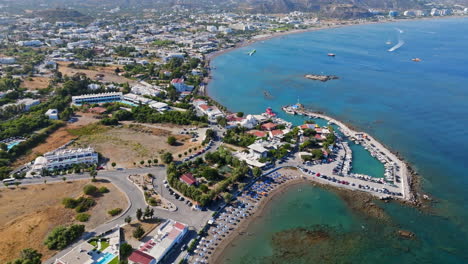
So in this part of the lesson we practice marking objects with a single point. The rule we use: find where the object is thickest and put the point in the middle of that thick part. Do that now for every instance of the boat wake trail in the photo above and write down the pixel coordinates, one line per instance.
(400, 41)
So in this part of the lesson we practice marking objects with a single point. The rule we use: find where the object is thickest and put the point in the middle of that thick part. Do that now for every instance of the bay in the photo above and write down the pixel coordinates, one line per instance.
(419, 109)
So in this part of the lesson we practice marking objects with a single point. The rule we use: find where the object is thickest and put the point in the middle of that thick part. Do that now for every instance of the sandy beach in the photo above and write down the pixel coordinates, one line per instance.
(217, 255)
(211, 56)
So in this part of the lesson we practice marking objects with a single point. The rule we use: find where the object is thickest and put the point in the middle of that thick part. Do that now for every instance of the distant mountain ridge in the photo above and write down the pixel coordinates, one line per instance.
(331, 8)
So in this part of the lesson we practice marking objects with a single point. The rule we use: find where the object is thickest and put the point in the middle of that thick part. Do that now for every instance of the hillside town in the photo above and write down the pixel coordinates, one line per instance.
(124, 102)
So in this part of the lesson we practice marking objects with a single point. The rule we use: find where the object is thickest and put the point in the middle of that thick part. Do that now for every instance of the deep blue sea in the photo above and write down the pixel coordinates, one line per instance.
(419, 109)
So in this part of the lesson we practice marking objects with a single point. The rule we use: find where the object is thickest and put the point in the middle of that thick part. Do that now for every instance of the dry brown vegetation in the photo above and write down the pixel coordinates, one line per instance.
(35, 83)
(56, 139)
(133, 143)
(108, 72)
(148, 226)
(29, 213)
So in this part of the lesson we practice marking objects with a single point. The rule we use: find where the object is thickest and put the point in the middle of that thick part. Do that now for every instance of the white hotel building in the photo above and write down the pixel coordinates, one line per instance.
(163, 239)
(97, 98)
(61, 159)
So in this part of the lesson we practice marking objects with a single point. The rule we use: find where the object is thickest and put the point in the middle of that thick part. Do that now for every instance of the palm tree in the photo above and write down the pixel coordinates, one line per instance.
(64, 179)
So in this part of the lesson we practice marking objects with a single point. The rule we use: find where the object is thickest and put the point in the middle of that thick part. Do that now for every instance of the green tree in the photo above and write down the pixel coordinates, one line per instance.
(167, 157)
(60, 237)
(113, 164)
(139, 214)
(317, 153)
(149, 162)
(125, 251)
(128, 219)
(64, 179)
(171, 140)
(210, 174)
(3, 147)
(155, 161)
(142, 162)
(257, 172)
(147, 213)
(227, 197)
(240, 114)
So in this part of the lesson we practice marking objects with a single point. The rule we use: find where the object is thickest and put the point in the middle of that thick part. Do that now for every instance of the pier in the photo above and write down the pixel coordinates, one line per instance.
(397, 175)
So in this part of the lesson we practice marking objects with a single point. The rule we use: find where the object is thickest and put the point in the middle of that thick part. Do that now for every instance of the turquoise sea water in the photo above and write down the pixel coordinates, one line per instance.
(417, 109)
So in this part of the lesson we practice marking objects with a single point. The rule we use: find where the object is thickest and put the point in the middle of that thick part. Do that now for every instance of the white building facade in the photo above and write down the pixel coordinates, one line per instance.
(97, 98)
(65, 158)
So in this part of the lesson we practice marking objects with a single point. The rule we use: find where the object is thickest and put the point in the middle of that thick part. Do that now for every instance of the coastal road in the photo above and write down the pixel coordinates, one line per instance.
(119, 179)
(184, 214)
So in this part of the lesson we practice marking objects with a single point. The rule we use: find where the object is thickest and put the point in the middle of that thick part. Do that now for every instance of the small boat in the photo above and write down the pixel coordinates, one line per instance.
(331, 54)
(388, 43)
(416, 59)
(252, 52)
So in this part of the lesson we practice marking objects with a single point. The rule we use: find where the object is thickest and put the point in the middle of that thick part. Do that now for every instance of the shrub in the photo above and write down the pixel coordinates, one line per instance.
(90, 189)
(103, 189)
(28, 256)
(138, 232)
(80, 205)
(115, 211)
(69, 202)
(152, 201)
(60, 237)
(82, 217)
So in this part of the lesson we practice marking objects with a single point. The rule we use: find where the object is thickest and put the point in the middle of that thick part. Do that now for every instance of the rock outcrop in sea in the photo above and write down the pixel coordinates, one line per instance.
(322, 78)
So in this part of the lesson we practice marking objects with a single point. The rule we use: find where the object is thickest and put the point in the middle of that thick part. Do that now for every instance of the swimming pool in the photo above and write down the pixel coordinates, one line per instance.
(106, 259)
(12, 144)
(127, 102)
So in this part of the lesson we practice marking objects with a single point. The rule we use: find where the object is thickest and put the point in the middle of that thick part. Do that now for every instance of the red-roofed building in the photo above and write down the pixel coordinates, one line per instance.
(174, 234)
(138, 257)
(276, 133)
(180, 85)
(269, 126)
(257, 133)
(179, 226)
(188, 179)
(317, 136)
(205, 107)
(234, 117)
(306, 126)
(178, 80)
(318, 130)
